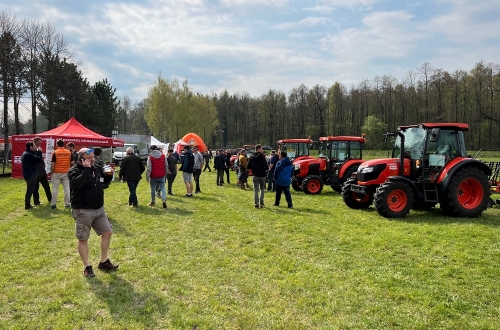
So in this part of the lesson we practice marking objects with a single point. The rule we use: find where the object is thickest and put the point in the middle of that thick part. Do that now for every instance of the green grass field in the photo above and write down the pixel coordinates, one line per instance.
(215, 262)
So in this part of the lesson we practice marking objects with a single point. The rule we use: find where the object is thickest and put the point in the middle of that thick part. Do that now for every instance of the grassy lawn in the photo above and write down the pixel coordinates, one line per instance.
(214, 262)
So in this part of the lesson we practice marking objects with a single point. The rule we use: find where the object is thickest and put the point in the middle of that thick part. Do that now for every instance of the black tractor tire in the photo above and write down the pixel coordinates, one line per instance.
(468, 193)
(296, 185)
(312, 184)
(394, 199)
(355, 200)
(347, 175)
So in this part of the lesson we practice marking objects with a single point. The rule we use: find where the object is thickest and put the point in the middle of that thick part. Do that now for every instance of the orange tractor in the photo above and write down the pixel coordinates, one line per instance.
(429, 165)
(296, 148)
(339, 157)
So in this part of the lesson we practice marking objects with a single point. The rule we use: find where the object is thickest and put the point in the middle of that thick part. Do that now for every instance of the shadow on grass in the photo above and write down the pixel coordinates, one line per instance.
(127, 305)
(436, 216)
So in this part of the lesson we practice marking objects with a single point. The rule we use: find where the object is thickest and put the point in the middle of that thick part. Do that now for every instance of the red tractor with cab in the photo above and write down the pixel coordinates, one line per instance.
(429, 165)
(296, 149)
(339, 157)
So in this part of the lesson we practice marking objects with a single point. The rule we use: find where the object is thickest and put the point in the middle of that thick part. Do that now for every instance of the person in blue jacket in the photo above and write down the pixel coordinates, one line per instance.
(283, 179)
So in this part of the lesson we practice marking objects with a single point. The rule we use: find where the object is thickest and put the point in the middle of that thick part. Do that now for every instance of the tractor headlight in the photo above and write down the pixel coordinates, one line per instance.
(368, 169)
(297, 166)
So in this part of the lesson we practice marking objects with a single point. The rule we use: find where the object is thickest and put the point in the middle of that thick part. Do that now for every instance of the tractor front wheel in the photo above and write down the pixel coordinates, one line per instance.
(394, 199)
(312, 184)
(355, 200)
(468, 193)
(296, 185)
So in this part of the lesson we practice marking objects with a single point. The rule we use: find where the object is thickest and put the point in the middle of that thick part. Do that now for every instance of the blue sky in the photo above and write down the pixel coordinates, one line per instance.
(256, 45)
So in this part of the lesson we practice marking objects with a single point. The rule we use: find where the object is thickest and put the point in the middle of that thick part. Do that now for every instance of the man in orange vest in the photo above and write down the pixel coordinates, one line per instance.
(60, 164)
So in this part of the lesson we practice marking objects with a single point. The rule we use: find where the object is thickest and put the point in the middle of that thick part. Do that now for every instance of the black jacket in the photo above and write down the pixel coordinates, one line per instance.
(220, 162)
(87, 188)
(258, 164)
(31, 162)
(131, 168)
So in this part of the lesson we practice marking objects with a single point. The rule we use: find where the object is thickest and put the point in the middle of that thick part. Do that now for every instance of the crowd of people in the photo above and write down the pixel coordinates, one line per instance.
(84, 177)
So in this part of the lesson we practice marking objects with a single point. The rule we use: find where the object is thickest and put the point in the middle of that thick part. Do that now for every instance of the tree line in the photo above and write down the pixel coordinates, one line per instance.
(373, 107)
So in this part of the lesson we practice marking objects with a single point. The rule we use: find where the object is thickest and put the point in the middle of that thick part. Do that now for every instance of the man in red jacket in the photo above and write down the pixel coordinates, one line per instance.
(157, 169)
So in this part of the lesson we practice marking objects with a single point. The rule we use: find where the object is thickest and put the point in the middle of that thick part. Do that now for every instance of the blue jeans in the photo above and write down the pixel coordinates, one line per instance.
(259, 184)
(132, 188)
(288, 197)
(161, 183)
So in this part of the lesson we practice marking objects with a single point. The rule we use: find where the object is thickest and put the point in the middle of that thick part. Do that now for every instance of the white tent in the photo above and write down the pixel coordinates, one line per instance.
(156, 142)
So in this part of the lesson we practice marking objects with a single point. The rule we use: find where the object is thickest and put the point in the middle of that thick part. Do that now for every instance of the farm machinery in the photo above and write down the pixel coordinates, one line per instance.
(429, 165)
(339, 157)
(296, 149)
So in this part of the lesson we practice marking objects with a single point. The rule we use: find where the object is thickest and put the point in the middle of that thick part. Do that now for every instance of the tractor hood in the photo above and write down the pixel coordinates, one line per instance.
(376, 171)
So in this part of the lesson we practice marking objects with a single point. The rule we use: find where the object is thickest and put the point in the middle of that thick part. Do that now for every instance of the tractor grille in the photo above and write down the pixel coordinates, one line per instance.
(313, 169)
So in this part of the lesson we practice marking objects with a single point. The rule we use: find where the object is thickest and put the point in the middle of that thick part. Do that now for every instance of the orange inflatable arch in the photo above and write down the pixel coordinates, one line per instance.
(193, 139)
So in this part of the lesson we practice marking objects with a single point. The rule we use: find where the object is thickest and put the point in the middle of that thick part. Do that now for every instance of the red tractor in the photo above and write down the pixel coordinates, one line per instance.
(339, 157)
(296, 148)
(429, 165)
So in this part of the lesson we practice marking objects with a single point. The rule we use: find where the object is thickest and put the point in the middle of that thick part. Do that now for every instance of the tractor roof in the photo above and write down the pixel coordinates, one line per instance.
(295, 141)
(457, 126)
(343, 138)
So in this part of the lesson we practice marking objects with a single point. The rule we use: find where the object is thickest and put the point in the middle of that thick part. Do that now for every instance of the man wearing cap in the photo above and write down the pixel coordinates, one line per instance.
(29, 161)
(59, 167)
(87, 202)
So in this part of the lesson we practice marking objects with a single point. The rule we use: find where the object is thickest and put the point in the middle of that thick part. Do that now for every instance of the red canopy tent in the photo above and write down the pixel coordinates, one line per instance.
(70, 131)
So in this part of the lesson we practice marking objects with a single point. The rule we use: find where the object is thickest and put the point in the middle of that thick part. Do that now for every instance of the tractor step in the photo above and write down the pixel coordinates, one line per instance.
(430, 193)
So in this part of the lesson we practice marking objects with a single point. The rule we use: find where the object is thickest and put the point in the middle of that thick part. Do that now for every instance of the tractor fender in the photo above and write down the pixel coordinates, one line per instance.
(454, 165)
(349, 164)
(404, 179)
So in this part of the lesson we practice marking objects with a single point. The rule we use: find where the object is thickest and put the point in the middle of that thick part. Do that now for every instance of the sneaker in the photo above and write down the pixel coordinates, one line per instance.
(290, 206)
(164, 204)
(170, 194)
(107, 266)
(276, 204)
(198, 192)
(88, 272)
(67, 206)
(262, 205)
(256, 206)
(151, 204)
(53, 207)
(38, 204)
(29, 207)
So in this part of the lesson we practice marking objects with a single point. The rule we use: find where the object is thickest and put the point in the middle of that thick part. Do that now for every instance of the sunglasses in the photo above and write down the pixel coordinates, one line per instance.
(88, 152)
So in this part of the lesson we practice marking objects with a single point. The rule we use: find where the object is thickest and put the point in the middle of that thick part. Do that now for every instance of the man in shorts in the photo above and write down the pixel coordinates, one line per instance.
(187, 170)
(87, 182)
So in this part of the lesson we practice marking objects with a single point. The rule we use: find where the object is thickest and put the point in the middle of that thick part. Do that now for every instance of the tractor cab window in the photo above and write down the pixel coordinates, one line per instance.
(355, 150)
(324, 149)
(303, 149)
(414, 143)
(445, 147)
(341, 151)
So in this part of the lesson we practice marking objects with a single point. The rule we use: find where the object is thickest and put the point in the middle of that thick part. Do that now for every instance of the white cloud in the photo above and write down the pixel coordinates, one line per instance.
(384, 36)
(306, 22)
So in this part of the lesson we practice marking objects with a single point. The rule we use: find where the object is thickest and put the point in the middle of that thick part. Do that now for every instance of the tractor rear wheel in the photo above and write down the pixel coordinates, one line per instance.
(394, 199)
(355, 200)
(312, 184)
(468, 193)
(296, 185)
